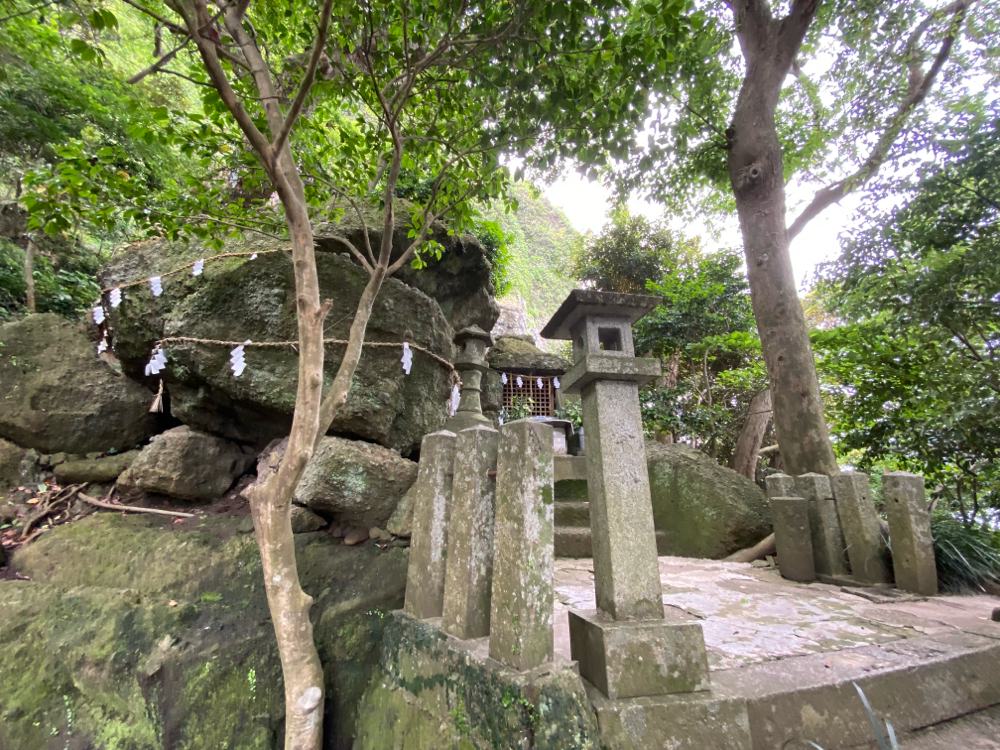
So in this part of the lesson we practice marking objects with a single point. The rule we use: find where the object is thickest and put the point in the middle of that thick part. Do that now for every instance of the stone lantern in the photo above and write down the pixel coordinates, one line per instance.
(471, 364)
(625, 648)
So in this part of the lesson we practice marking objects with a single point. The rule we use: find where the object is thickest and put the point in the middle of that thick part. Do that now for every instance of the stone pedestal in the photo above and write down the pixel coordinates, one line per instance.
(910, 533)
(523, 547)
(792, 539)
(469, 567)
(780, 485)
(431, 498)
(859, 522)
(629, 659)
(824, 524)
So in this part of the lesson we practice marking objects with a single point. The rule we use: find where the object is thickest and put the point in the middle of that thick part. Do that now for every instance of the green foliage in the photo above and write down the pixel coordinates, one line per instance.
(520, 408)
(629, 252)
(967, 557)
(496, 243)
(911, 372)
(66, 290)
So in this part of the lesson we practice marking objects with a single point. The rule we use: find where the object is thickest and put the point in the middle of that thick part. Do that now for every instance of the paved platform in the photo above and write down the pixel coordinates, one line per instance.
(791, 651)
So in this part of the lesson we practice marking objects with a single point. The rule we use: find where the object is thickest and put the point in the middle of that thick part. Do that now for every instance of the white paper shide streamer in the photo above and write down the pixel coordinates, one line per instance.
(116, 297)
(237, 360)
(555, 383)
(520, 383)
(155, 285)
(157, 363)
(538, 383)
(102, 346)
(407, 358)
(453, 403)
(198, 267)
(98, 313)
(503, 378)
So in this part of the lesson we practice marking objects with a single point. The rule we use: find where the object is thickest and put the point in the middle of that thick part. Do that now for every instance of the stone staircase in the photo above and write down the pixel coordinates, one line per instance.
(573, 509)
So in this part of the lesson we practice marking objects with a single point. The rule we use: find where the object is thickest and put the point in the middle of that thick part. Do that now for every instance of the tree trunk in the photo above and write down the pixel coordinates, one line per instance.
(745, 456)
(757, 178)
(29, 276)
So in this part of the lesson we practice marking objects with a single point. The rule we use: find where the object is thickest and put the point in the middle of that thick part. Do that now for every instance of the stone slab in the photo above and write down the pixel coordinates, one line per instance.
(523, 547)
(693, 721)
(910, 532)
(639, 657)
(621, 513)
(430, 497)
(792, 539)
(469, 564)
(824, 523)
(592, 367)
(860, 525)
(569, 468)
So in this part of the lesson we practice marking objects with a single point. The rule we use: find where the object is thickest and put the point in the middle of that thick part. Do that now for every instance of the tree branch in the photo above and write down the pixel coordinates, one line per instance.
(160, 63)
(28, 11)
(917, 92)
(307, 79)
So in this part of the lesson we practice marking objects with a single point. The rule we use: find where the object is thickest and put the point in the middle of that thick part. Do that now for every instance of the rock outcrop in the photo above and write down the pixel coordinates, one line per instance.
(238, 299)
(10, 464)
(188, 464)
(98, 470)
(135, 633)
(57, 395)
(703, 509)
(357, 483)
(460, 280)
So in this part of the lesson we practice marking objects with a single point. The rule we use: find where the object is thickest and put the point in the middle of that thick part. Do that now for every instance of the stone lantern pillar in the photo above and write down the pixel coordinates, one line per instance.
(626, 648)
(471, 365)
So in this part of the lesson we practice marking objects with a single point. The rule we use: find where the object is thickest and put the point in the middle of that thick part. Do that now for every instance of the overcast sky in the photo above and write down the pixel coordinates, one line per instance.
(586, 206)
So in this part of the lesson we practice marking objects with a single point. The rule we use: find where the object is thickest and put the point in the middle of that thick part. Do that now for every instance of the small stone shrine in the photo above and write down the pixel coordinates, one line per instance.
(625, 648)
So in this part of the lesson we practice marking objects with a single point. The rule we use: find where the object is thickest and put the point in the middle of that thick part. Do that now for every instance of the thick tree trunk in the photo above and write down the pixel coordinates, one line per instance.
(757, 179)
(745, 456)
(29, 276)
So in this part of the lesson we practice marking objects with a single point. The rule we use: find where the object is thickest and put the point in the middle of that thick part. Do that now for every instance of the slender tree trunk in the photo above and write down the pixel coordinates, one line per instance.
(745, 456)
(757, 179)
(29, 276)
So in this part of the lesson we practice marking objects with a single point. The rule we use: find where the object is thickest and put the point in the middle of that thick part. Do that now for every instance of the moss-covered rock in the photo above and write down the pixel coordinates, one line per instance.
(10, 464)
(57, 395)
(237, 299)
(133, 634)
(705, 510)
(433, 692)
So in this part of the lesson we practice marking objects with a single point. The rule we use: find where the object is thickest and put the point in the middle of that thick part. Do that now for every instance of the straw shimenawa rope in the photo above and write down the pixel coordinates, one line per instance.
(179, 269)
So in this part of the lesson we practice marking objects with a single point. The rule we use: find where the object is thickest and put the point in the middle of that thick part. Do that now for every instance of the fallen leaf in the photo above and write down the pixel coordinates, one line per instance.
(33, 500)
(828, 664)
(178, 520)
(172, 603)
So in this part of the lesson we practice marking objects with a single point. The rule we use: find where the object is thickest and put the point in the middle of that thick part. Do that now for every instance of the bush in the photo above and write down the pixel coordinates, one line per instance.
(968, 557)
(67, 291)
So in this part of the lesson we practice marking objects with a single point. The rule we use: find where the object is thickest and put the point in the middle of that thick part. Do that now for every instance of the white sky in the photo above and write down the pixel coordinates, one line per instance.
(586, 206)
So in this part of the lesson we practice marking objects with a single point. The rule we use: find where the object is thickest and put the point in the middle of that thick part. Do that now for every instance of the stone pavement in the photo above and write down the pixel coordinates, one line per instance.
(789, 652)
(753, 615)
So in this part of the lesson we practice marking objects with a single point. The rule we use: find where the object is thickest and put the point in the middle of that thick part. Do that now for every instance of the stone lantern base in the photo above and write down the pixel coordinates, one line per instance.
(630, 659)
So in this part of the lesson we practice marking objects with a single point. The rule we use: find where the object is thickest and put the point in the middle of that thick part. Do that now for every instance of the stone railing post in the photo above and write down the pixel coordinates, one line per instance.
(860, 523)
(910, 533)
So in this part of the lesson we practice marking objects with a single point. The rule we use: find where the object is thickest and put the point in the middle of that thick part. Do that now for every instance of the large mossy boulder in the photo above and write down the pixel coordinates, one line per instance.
(460, 280)
(56, 394)
(705, 510)
(136, 634)
(236, 299)
(356, 483)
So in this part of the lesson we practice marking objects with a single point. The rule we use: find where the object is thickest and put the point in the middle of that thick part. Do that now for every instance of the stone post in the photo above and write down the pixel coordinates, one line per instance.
(910, 533)
(824, 524)
(780, 485)
(429, 538)
(471, 364)
(523, 547)
(469, 567)
(860, 523)
(625, 648)
(790, 516)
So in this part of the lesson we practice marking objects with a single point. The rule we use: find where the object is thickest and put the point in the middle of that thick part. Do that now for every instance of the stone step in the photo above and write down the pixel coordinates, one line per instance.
(572, 514)
(575, 541)
(914, 683)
